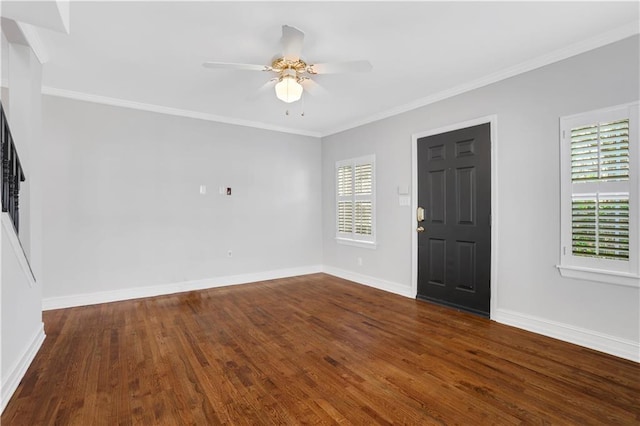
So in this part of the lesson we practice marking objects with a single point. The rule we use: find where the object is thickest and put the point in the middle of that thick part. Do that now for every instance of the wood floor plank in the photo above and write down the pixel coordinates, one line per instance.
(310, 350)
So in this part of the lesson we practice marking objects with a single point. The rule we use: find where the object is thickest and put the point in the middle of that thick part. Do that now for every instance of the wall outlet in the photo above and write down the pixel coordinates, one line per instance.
(229, 253)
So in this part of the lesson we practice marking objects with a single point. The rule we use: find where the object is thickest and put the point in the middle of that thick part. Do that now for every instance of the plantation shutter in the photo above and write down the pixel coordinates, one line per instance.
(355, 199)
(600, 152)
(600, 226)
(600, 195)
(600, 190)
(363, 189)
(345, 202)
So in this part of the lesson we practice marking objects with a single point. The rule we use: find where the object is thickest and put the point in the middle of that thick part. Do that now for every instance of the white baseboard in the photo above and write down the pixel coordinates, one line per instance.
(612, 345)
(163, 289)
(370, 281)
(591, 339)
(17, 372)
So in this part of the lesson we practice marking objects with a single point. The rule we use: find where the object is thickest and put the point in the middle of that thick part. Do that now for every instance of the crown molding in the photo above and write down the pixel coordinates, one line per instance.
(105, 100)
(620, 33)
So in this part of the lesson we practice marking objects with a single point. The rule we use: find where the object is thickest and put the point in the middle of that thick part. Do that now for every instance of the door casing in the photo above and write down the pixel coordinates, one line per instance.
(493, 122)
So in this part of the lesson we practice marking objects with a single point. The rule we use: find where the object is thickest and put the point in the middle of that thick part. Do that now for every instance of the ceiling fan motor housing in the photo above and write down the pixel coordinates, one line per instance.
(284, 66)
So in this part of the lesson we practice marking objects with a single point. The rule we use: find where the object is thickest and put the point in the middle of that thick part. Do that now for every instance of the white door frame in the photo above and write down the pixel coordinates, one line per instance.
(493, 122)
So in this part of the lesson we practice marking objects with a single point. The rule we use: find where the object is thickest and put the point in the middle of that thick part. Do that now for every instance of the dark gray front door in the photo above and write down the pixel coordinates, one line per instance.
(454, 188)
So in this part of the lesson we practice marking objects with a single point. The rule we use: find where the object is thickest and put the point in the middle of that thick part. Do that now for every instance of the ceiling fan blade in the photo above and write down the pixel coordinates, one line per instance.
(292, 39)
(232, 66)
(313, 88)
(340, 67)
(262, 90)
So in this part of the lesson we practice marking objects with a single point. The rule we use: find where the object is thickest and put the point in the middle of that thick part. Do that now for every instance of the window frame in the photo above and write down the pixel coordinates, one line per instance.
(353, 238)
(620, 272)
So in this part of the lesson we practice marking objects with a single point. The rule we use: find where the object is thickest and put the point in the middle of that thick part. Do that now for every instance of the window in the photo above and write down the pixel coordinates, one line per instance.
(599, 187)
(355, 201)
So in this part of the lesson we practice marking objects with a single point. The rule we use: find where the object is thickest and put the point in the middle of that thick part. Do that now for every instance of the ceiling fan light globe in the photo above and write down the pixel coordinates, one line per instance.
(288, 89)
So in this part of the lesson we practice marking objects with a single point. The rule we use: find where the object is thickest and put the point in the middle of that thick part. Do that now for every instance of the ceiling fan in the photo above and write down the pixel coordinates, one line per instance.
(293, 74)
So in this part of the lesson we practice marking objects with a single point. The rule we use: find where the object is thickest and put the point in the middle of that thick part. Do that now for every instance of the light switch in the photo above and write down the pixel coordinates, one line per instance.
(403, 189)
(203, 189)
(404, 200)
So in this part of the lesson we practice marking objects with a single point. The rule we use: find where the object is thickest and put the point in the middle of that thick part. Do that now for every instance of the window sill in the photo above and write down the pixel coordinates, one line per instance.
(364, 244)
(600, 275)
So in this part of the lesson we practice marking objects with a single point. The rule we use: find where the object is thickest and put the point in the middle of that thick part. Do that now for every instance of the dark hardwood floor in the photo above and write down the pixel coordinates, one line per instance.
(310, 350)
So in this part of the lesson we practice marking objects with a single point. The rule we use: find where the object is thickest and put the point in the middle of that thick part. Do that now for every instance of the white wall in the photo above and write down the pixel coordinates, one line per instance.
(531, 293)
(122, 209)
(24, 70)
(4, 72)
(24, 102)
(21, 327)
(21, 314)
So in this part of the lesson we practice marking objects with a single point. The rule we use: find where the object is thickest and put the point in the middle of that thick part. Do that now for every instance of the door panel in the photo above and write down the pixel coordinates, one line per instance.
(437, 200)
(466, 265)
(465, 191)
(437, 260)
(454, 187)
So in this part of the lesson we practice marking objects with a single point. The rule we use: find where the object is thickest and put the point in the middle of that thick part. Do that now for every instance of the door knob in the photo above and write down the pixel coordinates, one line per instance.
(420, 229)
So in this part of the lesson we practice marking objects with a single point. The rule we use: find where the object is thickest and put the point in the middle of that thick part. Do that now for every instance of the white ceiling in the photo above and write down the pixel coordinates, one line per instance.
(150, 53)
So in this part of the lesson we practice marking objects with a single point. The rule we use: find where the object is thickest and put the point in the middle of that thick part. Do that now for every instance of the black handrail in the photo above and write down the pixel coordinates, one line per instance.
(12, 173)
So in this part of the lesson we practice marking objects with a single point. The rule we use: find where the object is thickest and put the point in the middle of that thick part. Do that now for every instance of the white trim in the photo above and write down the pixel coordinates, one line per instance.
(541, 61)
(610, 111)
(493, 124)
(608, 271)
(63, 7)
(17, 371)
(105, 100)
(600, 275)
(372, 245)
(7, 224)
(32, 37)
(163, 289)
(390, 286)
(609, 37)
(598, 341)
(353, 238)
(616, 346)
